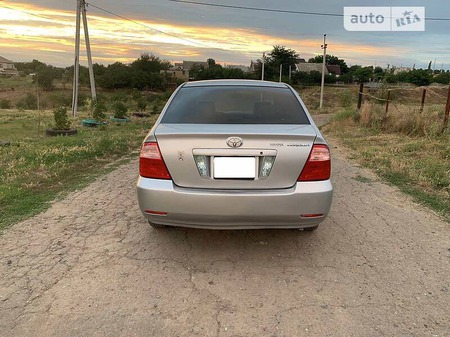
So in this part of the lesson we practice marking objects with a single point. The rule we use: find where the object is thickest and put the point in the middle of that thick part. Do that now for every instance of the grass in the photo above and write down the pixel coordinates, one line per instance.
(362, 179)
(35, 169)
(414, 158)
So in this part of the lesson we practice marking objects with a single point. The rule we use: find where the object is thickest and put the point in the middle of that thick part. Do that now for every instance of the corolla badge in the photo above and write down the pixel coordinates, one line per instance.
(235, 142)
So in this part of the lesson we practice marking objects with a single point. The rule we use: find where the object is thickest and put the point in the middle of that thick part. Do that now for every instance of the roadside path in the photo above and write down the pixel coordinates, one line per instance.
(91, 266)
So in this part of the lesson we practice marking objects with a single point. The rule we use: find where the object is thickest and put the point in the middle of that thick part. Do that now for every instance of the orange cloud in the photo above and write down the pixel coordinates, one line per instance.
(51, 33)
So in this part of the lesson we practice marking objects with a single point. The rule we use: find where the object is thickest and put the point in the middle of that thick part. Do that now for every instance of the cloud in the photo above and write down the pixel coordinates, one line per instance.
(30, 31)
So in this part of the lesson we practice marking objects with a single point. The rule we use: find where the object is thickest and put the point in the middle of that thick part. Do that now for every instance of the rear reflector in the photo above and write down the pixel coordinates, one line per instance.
(311, 215)
(151, 163)
(156, 213)
(318, 165)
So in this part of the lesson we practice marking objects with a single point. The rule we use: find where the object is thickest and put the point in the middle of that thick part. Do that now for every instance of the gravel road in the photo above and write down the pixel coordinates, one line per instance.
(91, 266)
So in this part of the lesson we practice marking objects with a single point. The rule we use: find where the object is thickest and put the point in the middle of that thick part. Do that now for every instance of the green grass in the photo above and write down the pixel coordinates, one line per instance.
(418, 166)
(362, 179)
(16, 82)
(35, 169)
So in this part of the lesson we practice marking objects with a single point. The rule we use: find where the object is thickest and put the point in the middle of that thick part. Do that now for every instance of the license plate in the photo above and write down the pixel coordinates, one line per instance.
(235, 167)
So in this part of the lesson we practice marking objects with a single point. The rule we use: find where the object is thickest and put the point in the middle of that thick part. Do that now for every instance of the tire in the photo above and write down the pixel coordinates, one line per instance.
(310, 229)
(56, 132)
(155, 225)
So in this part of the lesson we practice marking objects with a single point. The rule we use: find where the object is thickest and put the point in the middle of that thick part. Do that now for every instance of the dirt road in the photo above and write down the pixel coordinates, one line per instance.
(91, 266)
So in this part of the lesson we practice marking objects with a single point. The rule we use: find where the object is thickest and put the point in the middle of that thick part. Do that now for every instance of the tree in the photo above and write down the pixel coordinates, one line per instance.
(211, 62)
(418, 77)
(233, 73)
(363, 74)
(149, 63)
(443, 78)
(331, 60)
(197, 72)
(45, 75)
(378, 73)
(117, 75)
(280, 55)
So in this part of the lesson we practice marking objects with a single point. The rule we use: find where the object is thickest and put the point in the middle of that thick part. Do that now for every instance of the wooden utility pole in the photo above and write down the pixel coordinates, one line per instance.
(81, 11)
(324, 47)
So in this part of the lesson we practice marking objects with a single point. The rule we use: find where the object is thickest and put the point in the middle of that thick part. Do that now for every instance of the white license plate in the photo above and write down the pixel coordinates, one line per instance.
(235, 167)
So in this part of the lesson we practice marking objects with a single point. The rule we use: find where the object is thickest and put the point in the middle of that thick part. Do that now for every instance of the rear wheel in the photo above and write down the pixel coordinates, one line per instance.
(310, 229)
(155, 225)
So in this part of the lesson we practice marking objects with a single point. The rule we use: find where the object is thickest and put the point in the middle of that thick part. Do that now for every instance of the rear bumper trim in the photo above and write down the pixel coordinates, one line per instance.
(235, 209)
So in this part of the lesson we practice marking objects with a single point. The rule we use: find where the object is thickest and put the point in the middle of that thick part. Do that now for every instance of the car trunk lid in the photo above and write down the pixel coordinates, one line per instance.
(210, 156)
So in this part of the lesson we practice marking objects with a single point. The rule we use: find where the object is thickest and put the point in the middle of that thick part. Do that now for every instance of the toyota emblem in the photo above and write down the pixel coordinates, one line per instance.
(234, 142)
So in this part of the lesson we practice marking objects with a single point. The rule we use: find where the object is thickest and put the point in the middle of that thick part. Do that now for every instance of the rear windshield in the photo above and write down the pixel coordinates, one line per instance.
(235, 105)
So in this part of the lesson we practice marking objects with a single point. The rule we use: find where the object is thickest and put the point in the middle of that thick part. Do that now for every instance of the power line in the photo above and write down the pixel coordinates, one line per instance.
(161, 31)
(275, 10)
(147, 26)
(32, 14)
(256, 8)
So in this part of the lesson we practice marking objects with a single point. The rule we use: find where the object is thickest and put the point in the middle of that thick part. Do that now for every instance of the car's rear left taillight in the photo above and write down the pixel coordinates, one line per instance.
(318, 165)
(151, 163)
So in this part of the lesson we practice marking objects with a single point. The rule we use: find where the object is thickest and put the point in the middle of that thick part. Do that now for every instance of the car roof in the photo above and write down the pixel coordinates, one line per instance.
(250, 83)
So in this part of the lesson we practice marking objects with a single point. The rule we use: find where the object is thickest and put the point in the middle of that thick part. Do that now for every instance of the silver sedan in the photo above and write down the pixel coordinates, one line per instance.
(235, 154)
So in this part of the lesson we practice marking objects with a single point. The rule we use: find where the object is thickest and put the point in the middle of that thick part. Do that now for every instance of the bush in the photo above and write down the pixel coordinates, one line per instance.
(98, 110)
(120, 109)
(27, 103)
(61, 119)
(346, 98)
(59, 99)
(141, 104)
(5, 104)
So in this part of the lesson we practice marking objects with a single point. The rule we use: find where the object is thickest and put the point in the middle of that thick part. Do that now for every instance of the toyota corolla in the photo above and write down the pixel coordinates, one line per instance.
(235, 154)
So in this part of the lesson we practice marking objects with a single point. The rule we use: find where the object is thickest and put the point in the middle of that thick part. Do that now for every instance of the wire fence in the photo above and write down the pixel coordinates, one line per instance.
(424, 94)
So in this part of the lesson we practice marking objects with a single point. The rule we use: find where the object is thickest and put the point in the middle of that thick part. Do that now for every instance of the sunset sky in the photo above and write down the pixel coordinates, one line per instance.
(45, 29)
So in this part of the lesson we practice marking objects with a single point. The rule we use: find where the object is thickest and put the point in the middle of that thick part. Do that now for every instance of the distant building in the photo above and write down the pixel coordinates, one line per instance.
(180, 70)
(401, 70)
(177, 73)
(7, 68)
(308, 67)
(334, 69)
(187, 65)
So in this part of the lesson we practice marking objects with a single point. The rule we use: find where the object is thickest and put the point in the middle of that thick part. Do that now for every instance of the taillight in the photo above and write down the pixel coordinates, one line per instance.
(318, 166)
(151, 163)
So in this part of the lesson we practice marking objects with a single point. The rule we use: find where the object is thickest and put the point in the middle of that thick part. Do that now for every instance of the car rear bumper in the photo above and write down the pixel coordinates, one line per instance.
(234, 209)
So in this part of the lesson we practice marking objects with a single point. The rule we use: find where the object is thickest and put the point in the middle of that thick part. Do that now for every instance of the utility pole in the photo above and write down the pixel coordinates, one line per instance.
(88, 50)
(281, 71)
(290, 72)
(81, 11)
(76, 67)
(262, 68)
(324, 47)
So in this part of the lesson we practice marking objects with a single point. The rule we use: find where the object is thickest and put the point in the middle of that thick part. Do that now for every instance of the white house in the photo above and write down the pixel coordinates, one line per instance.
(7, 67)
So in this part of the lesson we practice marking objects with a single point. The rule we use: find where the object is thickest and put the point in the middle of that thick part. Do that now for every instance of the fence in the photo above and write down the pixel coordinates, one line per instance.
(424, 91)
